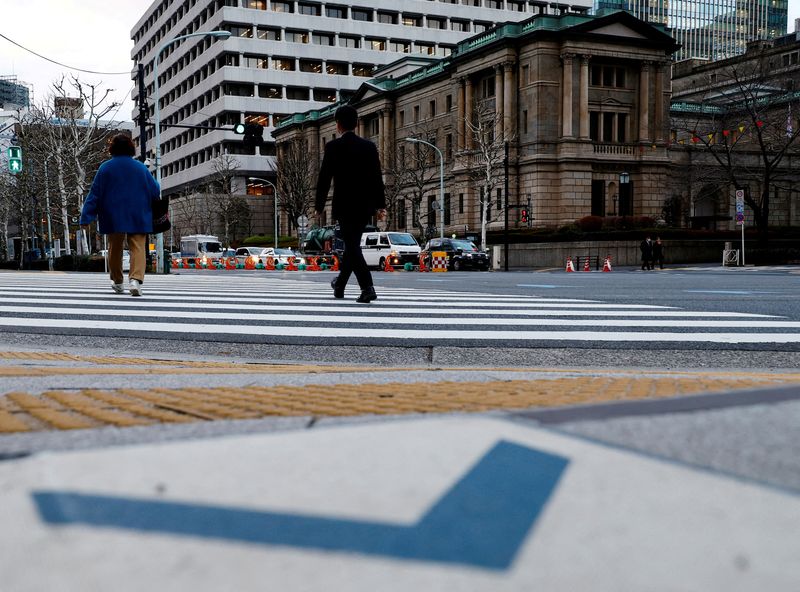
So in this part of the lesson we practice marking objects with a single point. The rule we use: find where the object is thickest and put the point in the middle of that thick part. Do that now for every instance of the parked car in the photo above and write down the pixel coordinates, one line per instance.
(251, 253)
(281, 255)
(461, 254)
(398, 248)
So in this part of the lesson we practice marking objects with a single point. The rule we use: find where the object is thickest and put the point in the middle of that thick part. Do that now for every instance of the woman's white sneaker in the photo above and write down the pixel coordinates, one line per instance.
(118, 288)
(135, 288)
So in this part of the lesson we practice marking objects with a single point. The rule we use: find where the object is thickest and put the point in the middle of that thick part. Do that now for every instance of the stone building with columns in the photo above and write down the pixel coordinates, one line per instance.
(579, 102)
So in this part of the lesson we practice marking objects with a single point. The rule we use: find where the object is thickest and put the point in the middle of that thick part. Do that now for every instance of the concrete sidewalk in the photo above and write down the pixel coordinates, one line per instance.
(247, 475)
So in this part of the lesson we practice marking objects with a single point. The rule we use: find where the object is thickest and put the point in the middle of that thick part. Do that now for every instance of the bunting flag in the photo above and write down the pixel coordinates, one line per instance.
(726, 133)
(741, 128)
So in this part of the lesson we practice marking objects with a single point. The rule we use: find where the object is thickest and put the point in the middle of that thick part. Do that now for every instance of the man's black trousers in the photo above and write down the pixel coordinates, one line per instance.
(353, 259)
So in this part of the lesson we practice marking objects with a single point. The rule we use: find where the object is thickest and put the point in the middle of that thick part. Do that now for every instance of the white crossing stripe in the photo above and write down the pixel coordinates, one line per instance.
(292, 310)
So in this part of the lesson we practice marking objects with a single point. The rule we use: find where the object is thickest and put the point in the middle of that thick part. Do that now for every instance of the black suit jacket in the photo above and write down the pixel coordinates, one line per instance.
(353, 165)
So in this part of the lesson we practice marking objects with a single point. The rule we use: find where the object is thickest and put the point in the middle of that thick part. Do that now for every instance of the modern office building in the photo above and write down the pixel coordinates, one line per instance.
(14, 94)
(285, 57)
(711, 29)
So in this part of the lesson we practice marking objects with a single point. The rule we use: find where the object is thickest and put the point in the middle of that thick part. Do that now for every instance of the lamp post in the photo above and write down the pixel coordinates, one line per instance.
(162, 47)
(274, 195)
(441, 179)
(624, 193)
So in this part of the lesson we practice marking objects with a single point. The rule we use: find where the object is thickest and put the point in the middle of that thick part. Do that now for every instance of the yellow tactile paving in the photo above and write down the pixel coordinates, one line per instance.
(126, 407)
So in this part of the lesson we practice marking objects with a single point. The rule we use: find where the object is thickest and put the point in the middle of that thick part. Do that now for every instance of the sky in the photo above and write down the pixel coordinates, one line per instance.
(88, 34)
(92, 35)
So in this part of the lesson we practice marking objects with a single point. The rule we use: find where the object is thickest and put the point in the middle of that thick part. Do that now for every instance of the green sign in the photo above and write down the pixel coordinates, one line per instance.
(15, 159)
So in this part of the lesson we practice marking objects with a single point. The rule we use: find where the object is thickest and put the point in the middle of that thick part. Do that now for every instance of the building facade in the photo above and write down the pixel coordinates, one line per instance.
(284, 57)
(581, 102)
(711, 29)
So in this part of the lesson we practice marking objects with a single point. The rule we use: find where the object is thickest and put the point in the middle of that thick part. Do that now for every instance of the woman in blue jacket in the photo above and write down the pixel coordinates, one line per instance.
(121, 200)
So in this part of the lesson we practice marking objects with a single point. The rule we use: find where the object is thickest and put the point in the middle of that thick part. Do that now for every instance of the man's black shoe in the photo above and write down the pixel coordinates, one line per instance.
(337, 291)
(367, 295)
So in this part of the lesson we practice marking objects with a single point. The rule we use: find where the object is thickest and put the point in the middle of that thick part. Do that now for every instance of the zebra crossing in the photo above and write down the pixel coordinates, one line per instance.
(295, 310)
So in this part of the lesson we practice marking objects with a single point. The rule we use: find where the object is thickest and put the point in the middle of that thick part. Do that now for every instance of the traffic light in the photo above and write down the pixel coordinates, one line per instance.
(524, 216)
(15, 159)
(253, 134)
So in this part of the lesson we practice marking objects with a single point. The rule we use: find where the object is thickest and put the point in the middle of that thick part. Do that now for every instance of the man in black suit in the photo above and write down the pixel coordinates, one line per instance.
(352, 163)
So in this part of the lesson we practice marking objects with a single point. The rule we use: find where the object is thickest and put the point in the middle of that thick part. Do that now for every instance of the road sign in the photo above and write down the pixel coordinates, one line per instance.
(302, 220)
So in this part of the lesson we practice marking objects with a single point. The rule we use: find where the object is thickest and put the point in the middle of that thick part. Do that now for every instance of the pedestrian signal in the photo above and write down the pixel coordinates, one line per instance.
(15, 159)
(524, 216)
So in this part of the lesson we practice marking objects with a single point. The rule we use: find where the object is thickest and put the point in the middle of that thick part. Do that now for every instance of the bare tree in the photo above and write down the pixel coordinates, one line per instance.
(296, 179)
(420, 172)
(743, 134)
(70, 128)
(221, 188)
(484, 160)
(396, 179)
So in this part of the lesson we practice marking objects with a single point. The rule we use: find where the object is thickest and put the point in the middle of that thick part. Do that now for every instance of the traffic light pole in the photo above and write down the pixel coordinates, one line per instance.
(508, 206)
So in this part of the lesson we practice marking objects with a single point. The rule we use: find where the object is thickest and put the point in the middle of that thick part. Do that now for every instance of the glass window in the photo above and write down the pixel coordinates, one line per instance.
(327, 95)
(240, 30)
(268, 33)
(296, 93)
(412, 20)
(456, 25)
(259, 118)
(282, 6)
(348, 41)
(400, 46)
(335, 12)
(314, 66)
(608, 127)
(297, 36)
(309, 9)
(376, 44)
(436, 23)
(269, 92)
(322, 38)
(361, 14)
(336, 68)
(362, 69)
(621, 127)
(283, 63)
(426, 48)
(256, 4)
(620, 81)
(251, 61)
(389, 18)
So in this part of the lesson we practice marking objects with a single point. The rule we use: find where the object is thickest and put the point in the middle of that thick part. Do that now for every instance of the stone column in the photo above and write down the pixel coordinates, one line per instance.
(584, 98)
(509, 96)
(499, 105)
(460, 105)
(644, 102)
(468, 113)
(566, 95)
(386, 133)
(658, 116)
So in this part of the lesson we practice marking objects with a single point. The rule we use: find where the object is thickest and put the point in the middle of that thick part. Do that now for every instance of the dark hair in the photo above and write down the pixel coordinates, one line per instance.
(347, 117)
(121, 145)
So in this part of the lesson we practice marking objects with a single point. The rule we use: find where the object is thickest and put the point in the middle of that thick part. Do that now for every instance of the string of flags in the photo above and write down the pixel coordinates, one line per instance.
(712, 137)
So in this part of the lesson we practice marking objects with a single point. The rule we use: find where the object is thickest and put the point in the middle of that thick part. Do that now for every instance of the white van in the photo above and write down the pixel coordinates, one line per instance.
(201, 246)
(398, 247)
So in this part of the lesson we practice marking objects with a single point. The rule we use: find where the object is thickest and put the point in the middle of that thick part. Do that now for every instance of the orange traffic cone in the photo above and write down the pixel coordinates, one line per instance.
(335, 266)
(290, 266)
(570, 267)
(313, 264)
(422, 266)
(586, 264)
(607, 264)
(387, 265)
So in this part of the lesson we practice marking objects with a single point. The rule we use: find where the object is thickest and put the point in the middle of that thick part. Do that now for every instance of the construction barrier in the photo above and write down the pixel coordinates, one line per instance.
(335, 266)
(290, 266)
(249, 263)
(438, 261)
(230, 263)
(586, 265)
(313, 264)
(570, 266)
(422, 266)
(387, 265)
(607, 264)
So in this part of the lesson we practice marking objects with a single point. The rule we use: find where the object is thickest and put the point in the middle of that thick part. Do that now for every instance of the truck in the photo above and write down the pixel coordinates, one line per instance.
(204, 247)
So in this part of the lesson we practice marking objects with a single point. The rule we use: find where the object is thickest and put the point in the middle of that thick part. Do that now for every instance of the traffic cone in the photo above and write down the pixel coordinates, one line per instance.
(586, 264)
(387, 265)
(607, 264)
(570, 267)
(335, 266)
(422, 266)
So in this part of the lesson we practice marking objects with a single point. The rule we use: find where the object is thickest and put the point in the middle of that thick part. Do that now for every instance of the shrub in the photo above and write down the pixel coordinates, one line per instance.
(590, 223)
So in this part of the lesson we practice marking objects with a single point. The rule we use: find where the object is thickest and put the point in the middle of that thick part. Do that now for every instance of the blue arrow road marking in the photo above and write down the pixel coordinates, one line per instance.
(481, 521)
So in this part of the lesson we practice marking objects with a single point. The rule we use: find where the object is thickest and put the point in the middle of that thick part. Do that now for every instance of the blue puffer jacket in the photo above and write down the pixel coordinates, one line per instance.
(121, 197)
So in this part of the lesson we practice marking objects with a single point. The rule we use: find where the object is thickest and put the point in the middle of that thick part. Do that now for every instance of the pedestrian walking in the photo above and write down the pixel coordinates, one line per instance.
(658, 253)
(121, 200)
(646, 246)
(352, 163)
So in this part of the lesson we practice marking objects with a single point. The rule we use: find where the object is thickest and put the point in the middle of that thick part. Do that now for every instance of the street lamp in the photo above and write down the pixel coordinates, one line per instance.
(441, 178)
(275, 195)
(162, 47)
(624, 193)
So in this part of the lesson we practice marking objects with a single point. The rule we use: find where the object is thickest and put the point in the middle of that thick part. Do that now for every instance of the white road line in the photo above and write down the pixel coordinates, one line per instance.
(406, 334)
(428, 320)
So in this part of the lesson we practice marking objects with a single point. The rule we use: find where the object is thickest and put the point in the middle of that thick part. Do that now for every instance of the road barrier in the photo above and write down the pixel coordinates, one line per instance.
(438, 261)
